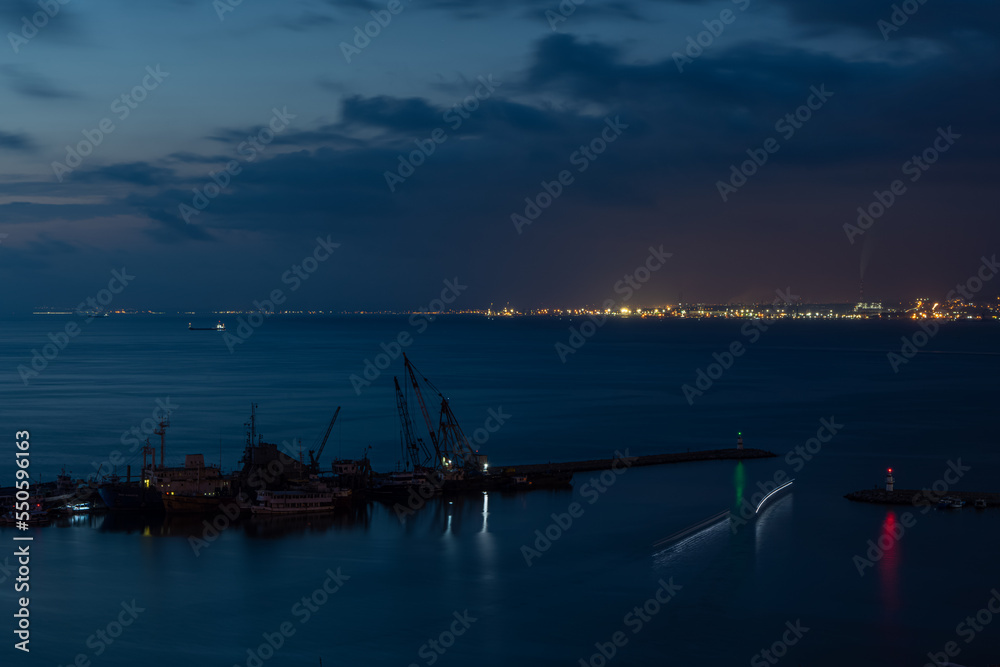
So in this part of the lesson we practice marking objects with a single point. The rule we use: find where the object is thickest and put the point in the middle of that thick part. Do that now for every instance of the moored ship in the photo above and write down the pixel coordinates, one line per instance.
(314, 498)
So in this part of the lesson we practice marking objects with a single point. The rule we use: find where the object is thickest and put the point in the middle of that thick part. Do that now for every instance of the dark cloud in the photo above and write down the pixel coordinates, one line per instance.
(933, 20)
(17, 141)
(28, 82)
(407, 115)
(64, 26)
(45, 244)
(20, 212)
(309, 20)
(135, 173)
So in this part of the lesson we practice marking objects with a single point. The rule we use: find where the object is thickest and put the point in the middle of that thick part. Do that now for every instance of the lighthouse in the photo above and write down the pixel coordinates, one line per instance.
(889, 480)
(739, 441)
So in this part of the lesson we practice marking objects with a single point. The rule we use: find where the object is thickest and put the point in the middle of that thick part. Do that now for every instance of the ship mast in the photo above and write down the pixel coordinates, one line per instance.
(161, 430)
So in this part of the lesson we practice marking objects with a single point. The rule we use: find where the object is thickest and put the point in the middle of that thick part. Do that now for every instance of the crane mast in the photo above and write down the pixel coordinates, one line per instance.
(423, 409)
(413, 448)
(453, 439)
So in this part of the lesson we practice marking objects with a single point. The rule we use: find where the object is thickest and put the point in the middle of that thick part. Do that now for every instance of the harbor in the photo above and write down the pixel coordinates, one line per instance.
(738, 453)
(438, 459)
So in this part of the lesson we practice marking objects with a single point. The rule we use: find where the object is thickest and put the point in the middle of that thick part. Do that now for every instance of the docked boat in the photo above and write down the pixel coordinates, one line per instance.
(37, 514)
(980, 504)
(300, 501)
(127, 496)
(196, 487)
(196, 503)
(401, 481)
(957, 504)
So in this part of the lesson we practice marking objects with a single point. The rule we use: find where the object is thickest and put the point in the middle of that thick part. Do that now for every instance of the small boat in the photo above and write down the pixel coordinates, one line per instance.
(36, 517)
(945, 503)
(980, 504)
(957, 504)
(218, 327)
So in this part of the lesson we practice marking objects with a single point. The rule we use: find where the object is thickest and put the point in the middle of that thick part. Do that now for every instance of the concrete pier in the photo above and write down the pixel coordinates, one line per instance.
(919, 497)
(649, 460)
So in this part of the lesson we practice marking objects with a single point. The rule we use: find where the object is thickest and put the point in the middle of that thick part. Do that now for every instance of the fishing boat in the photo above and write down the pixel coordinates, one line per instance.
(980, 504)
(37, 515)
(957, 504)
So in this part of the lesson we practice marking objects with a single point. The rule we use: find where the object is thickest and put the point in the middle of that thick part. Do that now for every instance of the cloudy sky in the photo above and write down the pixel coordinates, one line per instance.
(203, 80)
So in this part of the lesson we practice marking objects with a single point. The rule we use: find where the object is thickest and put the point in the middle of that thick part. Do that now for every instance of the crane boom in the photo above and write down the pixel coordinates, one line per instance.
(326, 436)
(413, 449)
(423, 408)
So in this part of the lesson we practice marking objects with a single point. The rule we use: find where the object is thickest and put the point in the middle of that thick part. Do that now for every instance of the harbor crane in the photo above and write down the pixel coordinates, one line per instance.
(414, 451)
(452, 449)
(314, 458)
(439, 458)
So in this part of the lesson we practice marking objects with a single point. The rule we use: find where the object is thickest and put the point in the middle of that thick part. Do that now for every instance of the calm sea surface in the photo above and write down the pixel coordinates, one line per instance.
(404, 584)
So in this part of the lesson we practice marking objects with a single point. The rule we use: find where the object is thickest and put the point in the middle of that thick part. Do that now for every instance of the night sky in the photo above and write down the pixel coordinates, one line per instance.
(212, 76)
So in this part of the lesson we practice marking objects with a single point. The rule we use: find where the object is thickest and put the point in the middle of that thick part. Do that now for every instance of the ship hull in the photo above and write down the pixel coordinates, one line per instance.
(130, 498)
(199, 504)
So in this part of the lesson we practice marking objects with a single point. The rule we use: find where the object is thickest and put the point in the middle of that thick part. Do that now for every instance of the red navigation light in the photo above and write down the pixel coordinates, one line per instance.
(890, 471)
